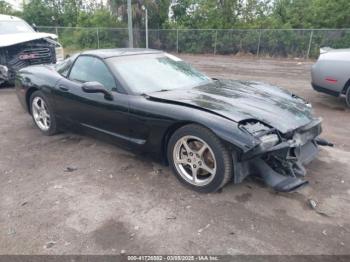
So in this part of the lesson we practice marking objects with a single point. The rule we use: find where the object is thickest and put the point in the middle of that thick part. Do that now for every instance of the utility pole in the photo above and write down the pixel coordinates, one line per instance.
(131, 38)
(146, 27)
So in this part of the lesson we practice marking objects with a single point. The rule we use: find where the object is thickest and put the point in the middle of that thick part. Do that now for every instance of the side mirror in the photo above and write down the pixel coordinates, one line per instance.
(96, 87)
(35, 27)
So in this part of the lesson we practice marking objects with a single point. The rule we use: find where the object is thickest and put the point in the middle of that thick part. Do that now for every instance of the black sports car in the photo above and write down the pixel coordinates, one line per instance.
(209, 131)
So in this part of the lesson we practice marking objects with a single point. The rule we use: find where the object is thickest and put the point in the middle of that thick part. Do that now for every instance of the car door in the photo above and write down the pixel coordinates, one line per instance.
(92, 110)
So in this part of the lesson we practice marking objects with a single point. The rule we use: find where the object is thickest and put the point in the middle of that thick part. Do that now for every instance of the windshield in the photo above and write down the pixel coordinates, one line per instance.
(156, 72)
(14, 27)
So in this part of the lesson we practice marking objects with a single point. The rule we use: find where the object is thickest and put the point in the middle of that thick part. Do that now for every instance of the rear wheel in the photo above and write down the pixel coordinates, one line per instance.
(199, 159)
(42, 113)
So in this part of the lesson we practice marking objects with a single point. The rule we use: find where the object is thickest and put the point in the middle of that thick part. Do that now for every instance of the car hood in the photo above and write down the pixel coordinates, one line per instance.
(13, 39)
(244, 100)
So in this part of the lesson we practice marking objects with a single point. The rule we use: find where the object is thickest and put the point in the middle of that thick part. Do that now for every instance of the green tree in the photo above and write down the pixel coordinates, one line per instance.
(5, 8)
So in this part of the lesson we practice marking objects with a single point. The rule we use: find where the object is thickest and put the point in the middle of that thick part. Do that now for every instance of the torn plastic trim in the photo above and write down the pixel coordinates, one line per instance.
(275, 180)
(259, 168)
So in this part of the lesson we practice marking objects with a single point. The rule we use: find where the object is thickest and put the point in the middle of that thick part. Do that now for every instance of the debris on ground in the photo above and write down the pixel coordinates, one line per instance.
(11, 231)
(58, 187)
(171, 218)
(312, 203)
(50, 244)
(322, 214)
(24, 203)
(324, 232)
(203, 228)
(157, 169)
(70, 169)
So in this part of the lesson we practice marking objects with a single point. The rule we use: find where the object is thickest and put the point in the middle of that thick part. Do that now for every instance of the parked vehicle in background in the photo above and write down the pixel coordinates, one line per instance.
(210, 131)
(331, 73)
(21, 46)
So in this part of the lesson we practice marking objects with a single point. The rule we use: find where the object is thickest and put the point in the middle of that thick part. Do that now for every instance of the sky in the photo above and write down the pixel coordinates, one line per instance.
(16, 4)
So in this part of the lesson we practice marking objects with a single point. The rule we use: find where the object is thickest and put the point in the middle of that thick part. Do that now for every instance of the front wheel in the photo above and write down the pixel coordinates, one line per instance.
(199, 159)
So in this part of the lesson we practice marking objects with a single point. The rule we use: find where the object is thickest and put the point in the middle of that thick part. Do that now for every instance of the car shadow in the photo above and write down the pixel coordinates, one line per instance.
(330, 103)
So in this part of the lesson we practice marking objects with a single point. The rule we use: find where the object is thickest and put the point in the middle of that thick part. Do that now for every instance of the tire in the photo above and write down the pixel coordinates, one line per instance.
(213, 166)
(50, 128)
(347, 97)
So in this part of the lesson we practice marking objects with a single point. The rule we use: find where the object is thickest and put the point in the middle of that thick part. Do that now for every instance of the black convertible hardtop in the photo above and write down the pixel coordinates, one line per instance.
(107, 53)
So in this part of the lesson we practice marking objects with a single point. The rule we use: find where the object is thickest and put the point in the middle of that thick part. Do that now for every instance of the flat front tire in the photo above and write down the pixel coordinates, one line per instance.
(42, 114)
(199, 159)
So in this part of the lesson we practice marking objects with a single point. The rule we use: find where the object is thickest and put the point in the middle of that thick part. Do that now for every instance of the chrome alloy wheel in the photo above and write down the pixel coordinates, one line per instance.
(194, 160)
(41, 113)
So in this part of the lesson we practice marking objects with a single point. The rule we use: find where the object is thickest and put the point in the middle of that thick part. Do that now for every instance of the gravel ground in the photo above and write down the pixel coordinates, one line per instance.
(111, 201)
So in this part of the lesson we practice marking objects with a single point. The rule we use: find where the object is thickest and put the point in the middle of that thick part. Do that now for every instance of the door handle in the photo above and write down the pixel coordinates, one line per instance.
(63, 88)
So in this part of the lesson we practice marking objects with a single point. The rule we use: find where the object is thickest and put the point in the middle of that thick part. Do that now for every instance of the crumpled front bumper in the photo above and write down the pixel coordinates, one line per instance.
(301, 137)
(282, 166)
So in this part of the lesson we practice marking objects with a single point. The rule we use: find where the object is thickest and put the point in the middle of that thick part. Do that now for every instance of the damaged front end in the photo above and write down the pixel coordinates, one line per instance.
(279, 159)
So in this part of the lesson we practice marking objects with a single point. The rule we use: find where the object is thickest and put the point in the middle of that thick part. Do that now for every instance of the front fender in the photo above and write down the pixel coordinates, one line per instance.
(160, 117)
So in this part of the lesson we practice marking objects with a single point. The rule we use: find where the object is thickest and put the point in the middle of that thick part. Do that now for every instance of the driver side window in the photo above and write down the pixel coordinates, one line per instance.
(89, 69)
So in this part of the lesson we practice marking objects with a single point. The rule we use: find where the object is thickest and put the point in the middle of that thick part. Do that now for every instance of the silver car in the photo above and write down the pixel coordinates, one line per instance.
(331, 73)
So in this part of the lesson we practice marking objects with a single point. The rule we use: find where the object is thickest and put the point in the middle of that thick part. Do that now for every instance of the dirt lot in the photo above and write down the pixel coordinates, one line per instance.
(116, 200)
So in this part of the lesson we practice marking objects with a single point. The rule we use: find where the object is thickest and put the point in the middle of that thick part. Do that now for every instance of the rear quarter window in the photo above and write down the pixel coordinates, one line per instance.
(64, 67)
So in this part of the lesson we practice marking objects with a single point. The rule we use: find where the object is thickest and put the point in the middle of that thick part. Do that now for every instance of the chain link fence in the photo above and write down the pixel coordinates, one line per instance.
(286, 43)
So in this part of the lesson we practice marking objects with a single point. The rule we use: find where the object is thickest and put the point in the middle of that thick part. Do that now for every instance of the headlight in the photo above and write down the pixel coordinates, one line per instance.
(255, 128)
(4, 72)
(268, 141)
(59, 54)
(265, 134)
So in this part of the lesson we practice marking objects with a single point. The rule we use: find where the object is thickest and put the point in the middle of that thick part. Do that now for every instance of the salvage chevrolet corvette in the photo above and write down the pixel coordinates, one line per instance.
(209, 131)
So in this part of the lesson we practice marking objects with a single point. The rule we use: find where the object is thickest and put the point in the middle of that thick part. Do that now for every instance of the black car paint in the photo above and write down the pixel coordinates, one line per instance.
(238, 100)
(145, 122)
